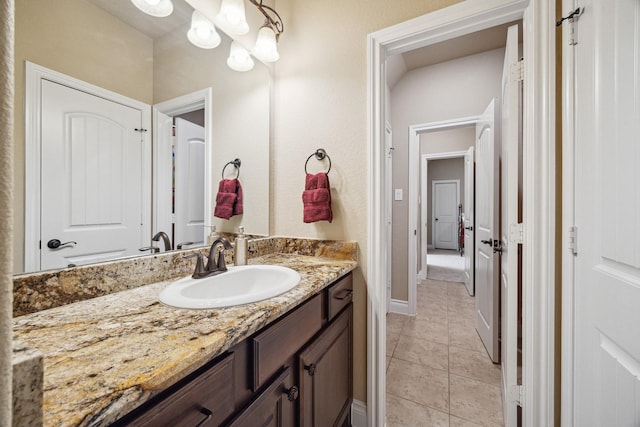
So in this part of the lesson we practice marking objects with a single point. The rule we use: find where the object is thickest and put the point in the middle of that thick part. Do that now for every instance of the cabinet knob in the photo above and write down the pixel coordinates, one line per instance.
(207, 415)
(292, 393)
(311, 369)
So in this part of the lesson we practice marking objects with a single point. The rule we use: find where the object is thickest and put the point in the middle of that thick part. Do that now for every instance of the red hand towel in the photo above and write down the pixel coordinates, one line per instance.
(317, 198)
(228, 199)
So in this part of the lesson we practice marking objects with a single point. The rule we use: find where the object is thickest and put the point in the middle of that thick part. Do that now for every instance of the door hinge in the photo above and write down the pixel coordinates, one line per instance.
(517, 71)
(571, 19)
(173, 218)
(516, 394)
(516, 233)
(573, 239)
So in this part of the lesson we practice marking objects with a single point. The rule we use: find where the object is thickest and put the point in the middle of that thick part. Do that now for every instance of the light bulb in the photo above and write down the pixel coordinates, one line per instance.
(239, 58)
(202, 32)
(233, 16)
(157, 8)
(266, 48)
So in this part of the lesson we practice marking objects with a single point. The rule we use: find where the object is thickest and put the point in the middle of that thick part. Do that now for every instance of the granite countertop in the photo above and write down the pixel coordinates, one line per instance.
(105, 356)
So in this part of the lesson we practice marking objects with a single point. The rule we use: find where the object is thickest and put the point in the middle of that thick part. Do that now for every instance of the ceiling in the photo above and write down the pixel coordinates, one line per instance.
(146, 24)
(470, 44)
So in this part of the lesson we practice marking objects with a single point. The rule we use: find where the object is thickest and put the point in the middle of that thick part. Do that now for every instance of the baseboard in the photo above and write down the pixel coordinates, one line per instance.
(429, 247)
(398, 306)
(423, 274)
(358, 414)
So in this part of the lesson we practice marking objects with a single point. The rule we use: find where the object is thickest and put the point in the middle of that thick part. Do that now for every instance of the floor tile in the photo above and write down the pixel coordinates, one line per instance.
(475, 365)
(403, 413)
(465, 337)
(459, 422)
(420, 384)
(475, 400)
(427, 330)
(427, 353)
(392, 341)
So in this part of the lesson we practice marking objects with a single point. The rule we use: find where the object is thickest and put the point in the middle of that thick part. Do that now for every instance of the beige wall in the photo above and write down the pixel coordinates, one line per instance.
(321, 101)
(454, 89)
(78, 39)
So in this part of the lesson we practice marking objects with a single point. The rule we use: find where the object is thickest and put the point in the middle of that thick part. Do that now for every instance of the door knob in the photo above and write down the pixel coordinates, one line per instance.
(292, 393)
(311, 369)
(470, 228)
(487, 242)
(57, 244)
(436, 219)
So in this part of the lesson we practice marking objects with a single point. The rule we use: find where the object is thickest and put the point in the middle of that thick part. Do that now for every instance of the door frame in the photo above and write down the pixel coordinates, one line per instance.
(33, 153)
(424, 163)
(200, 99)
(413, 276)
(539, 186)
(433, 204)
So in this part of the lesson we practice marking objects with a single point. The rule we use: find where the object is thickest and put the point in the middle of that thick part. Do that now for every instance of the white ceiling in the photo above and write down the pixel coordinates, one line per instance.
(146, 24)
(481, 41)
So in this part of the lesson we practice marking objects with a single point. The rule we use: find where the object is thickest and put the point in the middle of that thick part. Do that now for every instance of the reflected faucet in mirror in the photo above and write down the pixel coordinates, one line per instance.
(165, 240)
(213, 266)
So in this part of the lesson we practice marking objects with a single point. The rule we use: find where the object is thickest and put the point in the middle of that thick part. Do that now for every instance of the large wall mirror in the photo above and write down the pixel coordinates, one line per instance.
(113, 46)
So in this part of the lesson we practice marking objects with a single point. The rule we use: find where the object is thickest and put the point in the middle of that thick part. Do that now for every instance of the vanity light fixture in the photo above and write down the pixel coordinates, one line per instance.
(203, 33)
(157, 8)
(266, 48)
(239, 58)
(233, 15)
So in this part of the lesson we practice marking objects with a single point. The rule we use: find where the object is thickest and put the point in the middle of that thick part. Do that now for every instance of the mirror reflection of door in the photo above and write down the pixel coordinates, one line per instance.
(446, 197)
(189, 182)
(91, 178)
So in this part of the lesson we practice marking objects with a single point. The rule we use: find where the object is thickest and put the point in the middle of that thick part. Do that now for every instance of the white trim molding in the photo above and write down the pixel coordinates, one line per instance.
(358, 414)
(399, 306)
(539, 185)
(33, 129)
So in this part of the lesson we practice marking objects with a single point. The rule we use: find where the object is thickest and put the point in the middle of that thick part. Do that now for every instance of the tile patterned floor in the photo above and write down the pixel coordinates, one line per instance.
(438, 372)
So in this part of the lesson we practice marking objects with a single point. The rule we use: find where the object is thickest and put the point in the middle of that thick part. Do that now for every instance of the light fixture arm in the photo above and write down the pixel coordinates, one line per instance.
(272, 18)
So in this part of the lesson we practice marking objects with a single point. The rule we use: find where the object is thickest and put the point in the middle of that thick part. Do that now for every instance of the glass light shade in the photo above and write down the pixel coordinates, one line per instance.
(202, 32)
(233, 16)
(266, 48)
(239, 58)
(157, 8)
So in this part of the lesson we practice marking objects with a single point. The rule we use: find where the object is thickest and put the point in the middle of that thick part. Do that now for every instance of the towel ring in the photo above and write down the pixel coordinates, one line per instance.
(320, 154)
(235, 163)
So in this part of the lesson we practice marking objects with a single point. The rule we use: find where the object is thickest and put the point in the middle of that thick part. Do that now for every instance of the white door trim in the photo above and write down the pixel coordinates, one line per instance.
(424, 162)
(539, 185)
(201, 99)
(414, 194)
(33, 99)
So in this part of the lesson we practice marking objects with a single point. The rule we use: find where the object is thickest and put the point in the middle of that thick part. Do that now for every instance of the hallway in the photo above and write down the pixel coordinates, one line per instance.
(438, 372)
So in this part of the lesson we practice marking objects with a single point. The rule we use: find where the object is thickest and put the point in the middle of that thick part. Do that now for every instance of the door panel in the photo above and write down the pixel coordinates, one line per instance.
(509, 234)
(445, 212)
(487, 229)
(469, 221)
(91, 178)
(606, 354)
(189, 203)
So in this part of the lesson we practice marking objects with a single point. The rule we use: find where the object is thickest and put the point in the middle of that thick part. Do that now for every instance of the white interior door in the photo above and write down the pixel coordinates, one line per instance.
(446, 197)
(92, 183)
(510, 229)
(163, 172)
(606, 286)
(487, 229)
(469, 220)
(189, 183)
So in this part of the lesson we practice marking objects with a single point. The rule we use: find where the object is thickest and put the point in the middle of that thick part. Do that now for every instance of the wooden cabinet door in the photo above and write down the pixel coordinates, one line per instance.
(326, 375)
(273, 407)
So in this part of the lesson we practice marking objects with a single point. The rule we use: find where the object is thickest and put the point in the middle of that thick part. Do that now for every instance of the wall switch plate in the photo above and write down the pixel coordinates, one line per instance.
(398, 194)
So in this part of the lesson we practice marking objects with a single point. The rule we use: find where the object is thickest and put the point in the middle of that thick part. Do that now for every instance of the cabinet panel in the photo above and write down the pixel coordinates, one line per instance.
(208, 397)
(326, 375)
(283, 339)
(339, 296)
(274, 407)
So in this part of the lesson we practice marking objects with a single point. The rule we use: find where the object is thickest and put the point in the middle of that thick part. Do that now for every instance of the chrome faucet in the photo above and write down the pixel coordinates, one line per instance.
(213, 267)
(165, 239)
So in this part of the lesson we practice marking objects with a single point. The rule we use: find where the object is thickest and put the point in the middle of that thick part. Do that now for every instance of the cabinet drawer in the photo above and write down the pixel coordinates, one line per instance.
(209, 396)
(272, 347)
(339, 296)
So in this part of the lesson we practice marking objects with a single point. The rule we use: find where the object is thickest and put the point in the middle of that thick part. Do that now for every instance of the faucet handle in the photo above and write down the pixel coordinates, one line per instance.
(200, 271)
(153, 249)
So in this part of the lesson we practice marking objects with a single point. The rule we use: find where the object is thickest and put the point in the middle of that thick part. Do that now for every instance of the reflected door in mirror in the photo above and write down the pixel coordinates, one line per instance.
(91, 177)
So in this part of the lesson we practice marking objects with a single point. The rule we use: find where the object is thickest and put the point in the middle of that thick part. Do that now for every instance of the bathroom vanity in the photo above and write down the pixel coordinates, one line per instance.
(126, 359)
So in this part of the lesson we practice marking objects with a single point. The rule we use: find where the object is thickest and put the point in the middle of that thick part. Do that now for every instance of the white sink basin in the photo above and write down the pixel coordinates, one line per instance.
(238, 285)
